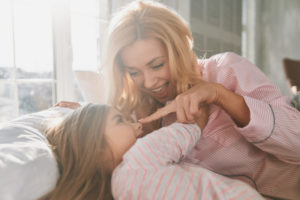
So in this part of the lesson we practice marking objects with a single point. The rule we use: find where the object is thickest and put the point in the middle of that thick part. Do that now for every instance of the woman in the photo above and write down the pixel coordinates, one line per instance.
(252, 134)
(100, 156)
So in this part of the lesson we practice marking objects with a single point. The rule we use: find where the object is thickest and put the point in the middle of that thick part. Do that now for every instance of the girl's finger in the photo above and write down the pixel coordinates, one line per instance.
(72, 105)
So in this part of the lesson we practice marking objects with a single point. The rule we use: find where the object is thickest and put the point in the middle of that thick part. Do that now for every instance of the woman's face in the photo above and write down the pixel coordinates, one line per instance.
(147, 63)
(120, 133)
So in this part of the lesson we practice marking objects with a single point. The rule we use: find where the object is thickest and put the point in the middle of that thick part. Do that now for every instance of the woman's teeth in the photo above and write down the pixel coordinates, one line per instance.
(159, 89)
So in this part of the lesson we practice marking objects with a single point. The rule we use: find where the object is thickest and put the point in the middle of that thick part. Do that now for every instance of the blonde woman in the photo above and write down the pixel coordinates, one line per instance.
(100, 156)
(252, 133)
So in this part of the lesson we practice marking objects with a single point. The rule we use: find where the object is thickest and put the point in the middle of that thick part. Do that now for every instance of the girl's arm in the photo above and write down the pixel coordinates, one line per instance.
(164, 146)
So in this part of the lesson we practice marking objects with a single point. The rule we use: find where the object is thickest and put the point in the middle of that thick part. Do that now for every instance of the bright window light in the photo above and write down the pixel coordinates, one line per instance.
(85, 33)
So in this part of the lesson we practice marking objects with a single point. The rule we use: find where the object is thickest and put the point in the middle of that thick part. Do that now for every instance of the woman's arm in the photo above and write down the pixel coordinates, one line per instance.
(234, 104)
(274, 126)
(262, 114)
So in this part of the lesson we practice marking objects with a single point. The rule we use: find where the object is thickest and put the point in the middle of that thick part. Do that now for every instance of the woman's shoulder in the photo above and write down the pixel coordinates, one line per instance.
(213, 67)
(222, 59)
(231, 69)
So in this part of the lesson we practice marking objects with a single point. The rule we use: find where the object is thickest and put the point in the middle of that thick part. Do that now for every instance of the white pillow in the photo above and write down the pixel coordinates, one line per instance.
(90, 83)
(28, 168)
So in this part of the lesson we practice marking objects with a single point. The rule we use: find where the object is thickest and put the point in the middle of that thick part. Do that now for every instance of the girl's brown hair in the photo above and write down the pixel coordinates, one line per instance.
(79, 145)
(142, 20)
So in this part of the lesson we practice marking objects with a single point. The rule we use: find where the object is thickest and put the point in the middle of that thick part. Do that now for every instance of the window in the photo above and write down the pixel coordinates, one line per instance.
(216, 26)
(42, 42)
(27, 81)
(88, 22)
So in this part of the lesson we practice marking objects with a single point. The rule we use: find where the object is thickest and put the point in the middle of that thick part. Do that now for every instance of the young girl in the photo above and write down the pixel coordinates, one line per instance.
(100, 155)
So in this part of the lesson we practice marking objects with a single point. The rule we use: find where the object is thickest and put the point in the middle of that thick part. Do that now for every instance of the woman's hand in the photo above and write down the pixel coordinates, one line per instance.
(200, 118)
(188, 105)
(68, 104)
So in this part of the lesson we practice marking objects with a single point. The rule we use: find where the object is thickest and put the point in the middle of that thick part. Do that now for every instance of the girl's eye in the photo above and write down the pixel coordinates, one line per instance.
(120, 119)
(133, 73)
(157, 66)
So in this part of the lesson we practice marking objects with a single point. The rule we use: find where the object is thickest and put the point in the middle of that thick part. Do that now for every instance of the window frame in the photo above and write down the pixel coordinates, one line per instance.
(62, 80)
(62, 51)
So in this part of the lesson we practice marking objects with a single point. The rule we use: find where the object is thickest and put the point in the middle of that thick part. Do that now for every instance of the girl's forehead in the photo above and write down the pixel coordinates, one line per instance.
(111, 116)
(114, 111)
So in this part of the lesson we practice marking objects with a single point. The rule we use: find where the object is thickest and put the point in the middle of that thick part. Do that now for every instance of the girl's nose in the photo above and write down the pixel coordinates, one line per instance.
(138, 129)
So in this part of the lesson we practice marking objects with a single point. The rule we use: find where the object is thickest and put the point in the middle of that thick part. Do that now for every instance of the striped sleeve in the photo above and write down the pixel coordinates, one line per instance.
(164, 146)
(274, 125)
(151, 169)
(178, 182)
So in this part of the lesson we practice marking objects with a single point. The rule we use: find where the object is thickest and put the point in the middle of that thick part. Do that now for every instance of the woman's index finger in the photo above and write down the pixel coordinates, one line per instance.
(169, 108)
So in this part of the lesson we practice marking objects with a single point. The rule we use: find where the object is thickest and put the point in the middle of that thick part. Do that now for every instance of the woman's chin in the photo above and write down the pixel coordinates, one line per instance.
(163, 100)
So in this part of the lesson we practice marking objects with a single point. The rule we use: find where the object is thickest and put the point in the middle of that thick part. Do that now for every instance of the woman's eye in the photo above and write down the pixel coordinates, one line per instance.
(157, 66)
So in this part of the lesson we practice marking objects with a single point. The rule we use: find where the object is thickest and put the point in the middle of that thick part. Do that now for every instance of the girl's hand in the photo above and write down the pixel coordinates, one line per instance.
(68, 104)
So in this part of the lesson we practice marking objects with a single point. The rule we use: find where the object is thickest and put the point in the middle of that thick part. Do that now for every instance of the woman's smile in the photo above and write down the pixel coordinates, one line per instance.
(161, 92)
(147, 63)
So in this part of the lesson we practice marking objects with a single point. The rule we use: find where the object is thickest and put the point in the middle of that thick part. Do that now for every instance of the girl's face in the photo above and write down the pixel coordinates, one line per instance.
(120, 133)
(147, 63)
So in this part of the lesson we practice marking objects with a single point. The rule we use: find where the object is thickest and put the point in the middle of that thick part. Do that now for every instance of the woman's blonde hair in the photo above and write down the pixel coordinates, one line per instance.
(141, 20)
(79, 144)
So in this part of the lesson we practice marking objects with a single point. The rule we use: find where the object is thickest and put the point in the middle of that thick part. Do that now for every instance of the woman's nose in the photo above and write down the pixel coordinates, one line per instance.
(149, 80)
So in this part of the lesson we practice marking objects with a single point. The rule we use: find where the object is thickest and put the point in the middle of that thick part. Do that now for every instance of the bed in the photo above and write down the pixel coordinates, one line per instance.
(28, 168)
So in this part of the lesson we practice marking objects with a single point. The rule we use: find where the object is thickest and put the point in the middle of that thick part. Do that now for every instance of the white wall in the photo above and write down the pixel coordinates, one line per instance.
(277, 37)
